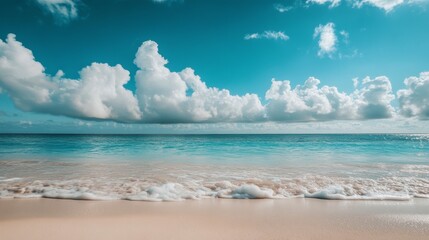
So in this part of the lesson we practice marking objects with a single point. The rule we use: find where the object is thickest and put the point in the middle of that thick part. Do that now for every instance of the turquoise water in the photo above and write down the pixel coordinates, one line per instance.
(398, 148)
(176, 167)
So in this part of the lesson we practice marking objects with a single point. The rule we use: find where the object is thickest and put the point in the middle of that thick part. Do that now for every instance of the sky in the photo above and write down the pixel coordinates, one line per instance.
(214, 66)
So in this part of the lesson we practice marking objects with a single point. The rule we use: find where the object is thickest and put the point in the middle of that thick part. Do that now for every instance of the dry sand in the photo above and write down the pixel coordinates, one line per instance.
(214, 219)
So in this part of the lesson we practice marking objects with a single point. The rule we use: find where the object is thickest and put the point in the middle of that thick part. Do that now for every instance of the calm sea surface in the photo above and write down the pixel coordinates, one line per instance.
(178, 167)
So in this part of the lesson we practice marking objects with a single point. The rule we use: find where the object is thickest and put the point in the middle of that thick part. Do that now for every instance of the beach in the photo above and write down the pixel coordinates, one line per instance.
(298, 218)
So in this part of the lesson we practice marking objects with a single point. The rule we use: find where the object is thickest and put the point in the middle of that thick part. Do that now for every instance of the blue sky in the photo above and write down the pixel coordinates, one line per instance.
(235, 45)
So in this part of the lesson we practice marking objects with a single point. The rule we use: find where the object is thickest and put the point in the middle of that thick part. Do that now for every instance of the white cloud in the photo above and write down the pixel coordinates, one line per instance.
(327, 39)
(252, 36)
(414, 100)
(282, 8)
(63, 11)
(21, 76)
(386, 5)
(311, 103)
(374, 98)
(332, 3)
(164, 96)
(98, 94)
(307, 102)
(267, 35)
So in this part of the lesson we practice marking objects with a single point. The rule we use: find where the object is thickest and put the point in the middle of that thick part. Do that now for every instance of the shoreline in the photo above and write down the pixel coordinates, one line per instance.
(298, 218)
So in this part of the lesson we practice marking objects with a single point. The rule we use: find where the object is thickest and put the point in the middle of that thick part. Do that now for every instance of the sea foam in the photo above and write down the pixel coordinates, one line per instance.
(321, 187)
(188, 167)
(339, 193)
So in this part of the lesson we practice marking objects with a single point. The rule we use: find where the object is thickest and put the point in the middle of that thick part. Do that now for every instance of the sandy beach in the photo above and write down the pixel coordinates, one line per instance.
(214, 219)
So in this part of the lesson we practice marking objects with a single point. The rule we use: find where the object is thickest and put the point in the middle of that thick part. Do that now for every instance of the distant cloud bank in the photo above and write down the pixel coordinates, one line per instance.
(163, 96)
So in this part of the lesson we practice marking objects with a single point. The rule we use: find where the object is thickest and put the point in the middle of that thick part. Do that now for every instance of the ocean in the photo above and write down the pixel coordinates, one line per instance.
(181, 167)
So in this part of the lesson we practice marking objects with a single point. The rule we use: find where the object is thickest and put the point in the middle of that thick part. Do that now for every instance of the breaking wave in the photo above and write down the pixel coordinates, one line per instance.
(135, 189)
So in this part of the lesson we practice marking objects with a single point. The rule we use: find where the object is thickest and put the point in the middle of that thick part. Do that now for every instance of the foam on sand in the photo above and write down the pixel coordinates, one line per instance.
(340, 193)
(250, 191)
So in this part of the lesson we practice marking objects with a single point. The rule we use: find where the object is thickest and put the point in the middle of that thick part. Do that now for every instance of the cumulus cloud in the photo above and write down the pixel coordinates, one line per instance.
(332, 3)
(267, 35)
(327, 39)
(374, 98)
(307, 102)
(165, 96)
(414, 100)
(310, 102)
(162, 96)
(63, 11)
(98, 94)
(21, 76)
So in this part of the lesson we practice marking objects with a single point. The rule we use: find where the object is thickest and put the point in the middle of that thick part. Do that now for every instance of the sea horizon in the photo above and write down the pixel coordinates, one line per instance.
(173, 134)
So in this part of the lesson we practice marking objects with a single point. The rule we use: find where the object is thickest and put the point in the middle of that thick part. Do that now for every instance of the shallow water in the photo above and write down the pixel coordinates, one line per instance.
(178, 167)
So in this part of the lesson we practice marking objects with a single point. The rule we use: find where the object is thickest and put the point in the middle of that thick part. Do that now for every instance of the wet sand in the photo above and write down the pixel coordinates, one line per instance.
(214, 219)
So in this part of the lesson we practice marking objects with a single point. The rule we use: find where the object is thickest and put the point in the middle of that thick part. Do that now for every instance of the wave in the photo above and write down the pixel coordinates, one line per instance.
(320, 187)
(2, 180)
